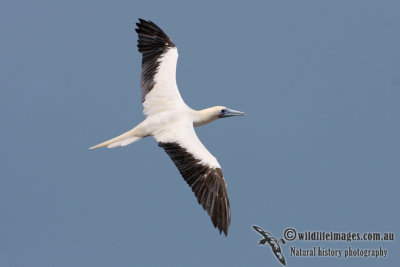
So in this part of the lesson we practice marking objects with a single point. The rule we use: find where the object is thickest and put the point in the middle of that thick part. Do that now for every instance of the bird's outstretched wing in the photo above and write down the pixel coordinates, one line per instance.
(159, 59)
(260, 231)
(277, 251)
(200, 170)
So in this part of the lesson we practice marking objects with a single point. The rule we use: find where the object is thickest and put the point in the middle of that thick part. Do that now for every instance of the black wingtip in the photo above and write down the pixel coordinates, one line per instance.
(142, 21)
(151, 30)
(257, 228)
(225, 231)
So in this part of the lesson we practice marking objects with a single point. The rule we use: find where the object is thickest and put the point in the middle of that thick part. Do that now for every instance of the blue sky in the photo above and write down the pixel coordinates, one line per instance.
(318, 150)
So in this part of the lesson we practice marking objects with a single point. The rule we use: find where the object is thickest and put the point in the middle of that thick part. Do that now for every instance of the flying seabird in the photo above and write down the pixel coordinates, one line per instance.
(273, 242)
(171, 122)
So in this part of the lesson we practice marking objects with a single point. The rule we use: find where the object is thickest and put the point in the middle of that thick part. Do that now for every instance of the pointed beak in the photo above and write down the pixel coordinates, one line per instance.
(231, 112)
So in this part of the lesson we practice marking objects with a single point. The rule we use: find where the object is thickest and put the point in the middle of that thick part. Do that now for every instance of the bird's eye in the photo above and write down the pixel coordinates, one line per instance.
(222, 114)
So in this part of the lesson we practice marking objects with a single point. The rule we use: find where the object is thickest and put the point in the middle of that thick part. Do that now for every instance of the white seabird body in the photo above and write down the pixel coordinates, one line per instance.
(171, 122)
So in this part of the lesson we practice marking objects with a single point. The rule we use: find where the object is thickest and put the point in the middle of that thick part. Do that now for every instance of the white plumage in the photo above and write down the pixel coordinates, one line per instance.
(164, 95)
(171, 122)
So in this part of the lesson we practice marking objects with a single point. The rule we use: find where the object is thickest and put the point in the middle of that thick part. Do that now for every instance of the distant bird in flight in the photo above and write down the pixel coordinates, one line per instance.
(273, 242)
(171, 122)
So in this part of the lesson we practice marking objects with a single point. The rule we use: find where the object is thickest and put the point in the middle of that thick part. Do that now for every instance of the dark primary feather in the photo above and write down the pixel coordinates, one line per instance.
(207, 184)
(152, 43)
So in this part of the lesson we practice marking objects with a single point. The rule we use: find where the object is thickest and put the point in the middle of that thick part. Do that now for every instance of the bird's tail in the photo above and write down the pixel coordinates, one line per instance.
(123, 140)
(262, 241)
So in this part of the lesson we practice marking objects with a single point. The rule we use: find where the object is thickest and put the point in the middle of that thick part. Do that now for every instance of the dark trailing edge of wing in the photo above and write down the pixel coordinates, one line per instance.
(207, 184)
(152, 43)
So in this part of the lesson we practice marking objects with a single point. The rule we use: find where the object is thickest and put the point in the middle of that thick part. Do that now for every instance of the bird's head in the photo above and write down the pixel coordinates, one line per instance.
(224, 112)
(211, 114)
